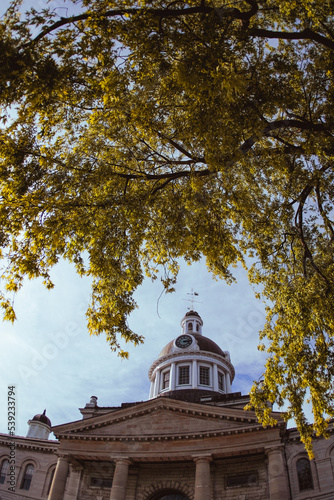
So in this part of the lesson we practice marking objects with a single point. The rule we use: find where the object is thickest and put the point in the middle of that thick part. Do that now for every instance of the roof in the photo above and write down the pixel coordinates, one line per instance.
(204, 344)
(41, 417)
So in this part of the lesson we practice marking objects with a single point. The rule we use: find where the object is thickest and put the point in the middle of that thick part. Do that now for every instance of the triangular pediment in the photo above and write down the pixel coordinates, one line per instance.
(161, 418)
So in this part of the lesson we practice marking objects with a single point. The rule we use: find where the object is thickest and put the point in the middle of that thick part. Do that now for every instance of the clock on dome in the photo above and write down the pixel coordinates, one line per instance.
(183, 341)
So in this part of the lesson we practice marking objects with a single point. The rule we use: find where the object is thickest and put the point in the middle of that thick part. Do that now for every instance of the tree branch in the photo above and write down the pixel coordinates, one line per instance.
(299, 224)
(305, 34)
(282, 124)
(322, 211)
(158, 13)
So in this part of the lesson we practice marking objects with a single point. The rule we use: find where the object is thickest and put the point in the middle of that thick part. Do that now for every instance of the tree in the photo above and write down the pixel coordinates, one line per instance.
(136, 133)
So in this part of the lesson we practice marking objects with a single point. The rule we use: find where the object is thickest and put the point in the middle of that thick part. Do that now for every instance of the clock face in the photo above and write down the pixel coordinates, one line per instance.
(183, 341)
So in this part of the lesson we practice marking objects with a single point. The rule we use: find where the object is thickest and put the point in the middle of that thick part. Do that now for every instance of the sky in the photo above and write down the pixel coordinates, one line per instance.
(56, 365)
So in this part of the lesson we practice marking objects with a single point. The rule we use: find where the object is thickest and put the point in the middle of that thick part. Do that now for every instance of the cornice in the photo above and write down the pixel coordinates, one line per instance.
(249, 420)
(160, 403)
(167, 437)
(28, 443)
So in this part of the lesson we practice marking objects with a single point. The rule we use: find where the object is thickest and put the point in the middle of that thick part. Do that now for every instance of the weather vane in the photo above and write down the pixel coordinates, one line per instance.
(192, 299)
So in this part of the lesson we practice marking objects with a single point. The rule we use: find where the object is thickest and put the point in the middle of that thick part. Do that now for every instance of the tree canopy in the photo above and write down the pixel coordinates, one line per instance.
(135, 133)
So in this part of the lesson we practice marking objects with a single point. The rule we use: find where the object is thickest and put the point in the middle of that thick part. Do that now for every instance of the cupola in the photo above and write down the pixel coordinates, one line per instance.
(191, 365)
(192, 323)
(39, 426)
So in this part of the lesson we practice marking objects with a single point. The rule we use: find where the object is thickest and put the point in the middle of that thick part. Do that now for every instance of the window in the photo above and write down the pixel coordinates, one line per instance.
(165, 379)
(190, 327)
(221, 381)
(304, 474)
(204, 375)
(50, 481)
(101, 482)
(242, 480)
(3, 471)
(184, 375)
(28, 473)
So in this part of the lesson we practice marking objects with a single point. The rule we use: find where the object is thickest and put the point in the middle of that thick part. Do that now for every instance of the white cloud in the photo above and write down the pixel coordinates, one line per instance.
(56, 365)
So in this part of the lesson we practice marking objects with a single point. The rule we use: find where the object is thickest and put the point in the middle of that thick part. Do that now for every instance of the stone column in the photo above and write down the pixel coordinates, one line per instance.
(225, 384)
(157, 383)
(215, 378)
(194, 374)
(172, 377)
(73, 482)
(120, 479)
(59, 480)
(202, 479)
(277, 475)
(228, 383)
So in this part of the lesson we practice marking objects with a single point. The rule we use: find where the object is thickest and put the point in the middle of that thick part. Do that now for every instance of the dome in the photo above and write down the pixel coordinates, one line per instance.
(192, 313)
(191, 365)
(203, 343)
(41, 417)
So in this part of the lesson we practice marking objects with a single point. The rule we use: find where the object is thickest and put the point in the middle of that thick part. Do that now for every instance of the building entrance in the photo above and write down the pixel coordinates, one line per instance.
(170, 496)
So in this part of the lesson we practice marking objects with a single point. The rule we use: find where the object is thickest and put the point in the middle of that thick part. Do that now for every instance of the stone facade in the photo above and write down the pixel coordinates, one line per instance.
(184, 444)
(199, 450)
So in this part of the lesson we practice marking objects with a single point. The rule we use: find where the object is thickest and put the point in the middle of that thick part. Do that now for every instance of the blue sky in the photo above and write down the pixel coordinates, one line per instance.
(55, 364)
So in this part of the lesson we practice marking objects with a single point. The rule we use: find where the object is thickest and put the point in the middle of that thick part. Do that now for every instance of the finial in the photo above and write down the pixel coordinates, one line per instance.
(193, 294)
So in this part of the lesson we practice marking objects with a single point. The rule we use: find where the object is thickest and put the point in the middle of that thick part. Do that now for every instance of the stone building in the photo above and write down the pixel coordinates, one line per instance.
(191, 440)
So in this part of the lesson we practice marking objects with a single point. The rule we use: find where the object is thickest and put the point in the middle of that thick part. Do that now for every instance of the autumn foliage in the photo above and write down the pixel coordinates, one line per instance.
(137, 133)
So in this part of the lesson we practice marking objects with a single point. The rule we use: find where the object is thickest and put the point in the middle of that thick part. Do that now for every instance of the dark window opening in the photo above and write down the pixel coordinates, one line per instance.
(26, 481)
(304, 473)
(101, 482)
(51, 479)
(169, 496)
(184, 375)
(204, 375)
(246, 479)
(221, 381)
(165, 380)
(3, 472)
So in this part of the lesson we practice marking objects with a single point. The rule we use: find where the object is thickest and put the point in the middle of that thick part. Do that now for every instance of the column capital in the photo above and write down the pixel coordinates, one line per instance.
(274, 449)
(122, 460)
(75, 465)
(202, 458)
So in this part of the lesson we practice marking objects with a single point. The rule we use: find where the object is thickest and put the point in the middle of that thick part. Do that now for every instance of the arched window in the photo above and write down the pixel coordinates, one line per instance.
(28, 473)
(50, 480)
(304, 473)
(3, 471)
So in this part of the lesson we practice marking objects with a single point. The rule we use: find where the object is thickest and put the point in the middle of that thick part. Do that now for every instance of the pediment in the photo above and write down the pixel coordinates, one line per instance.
(161, 418)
